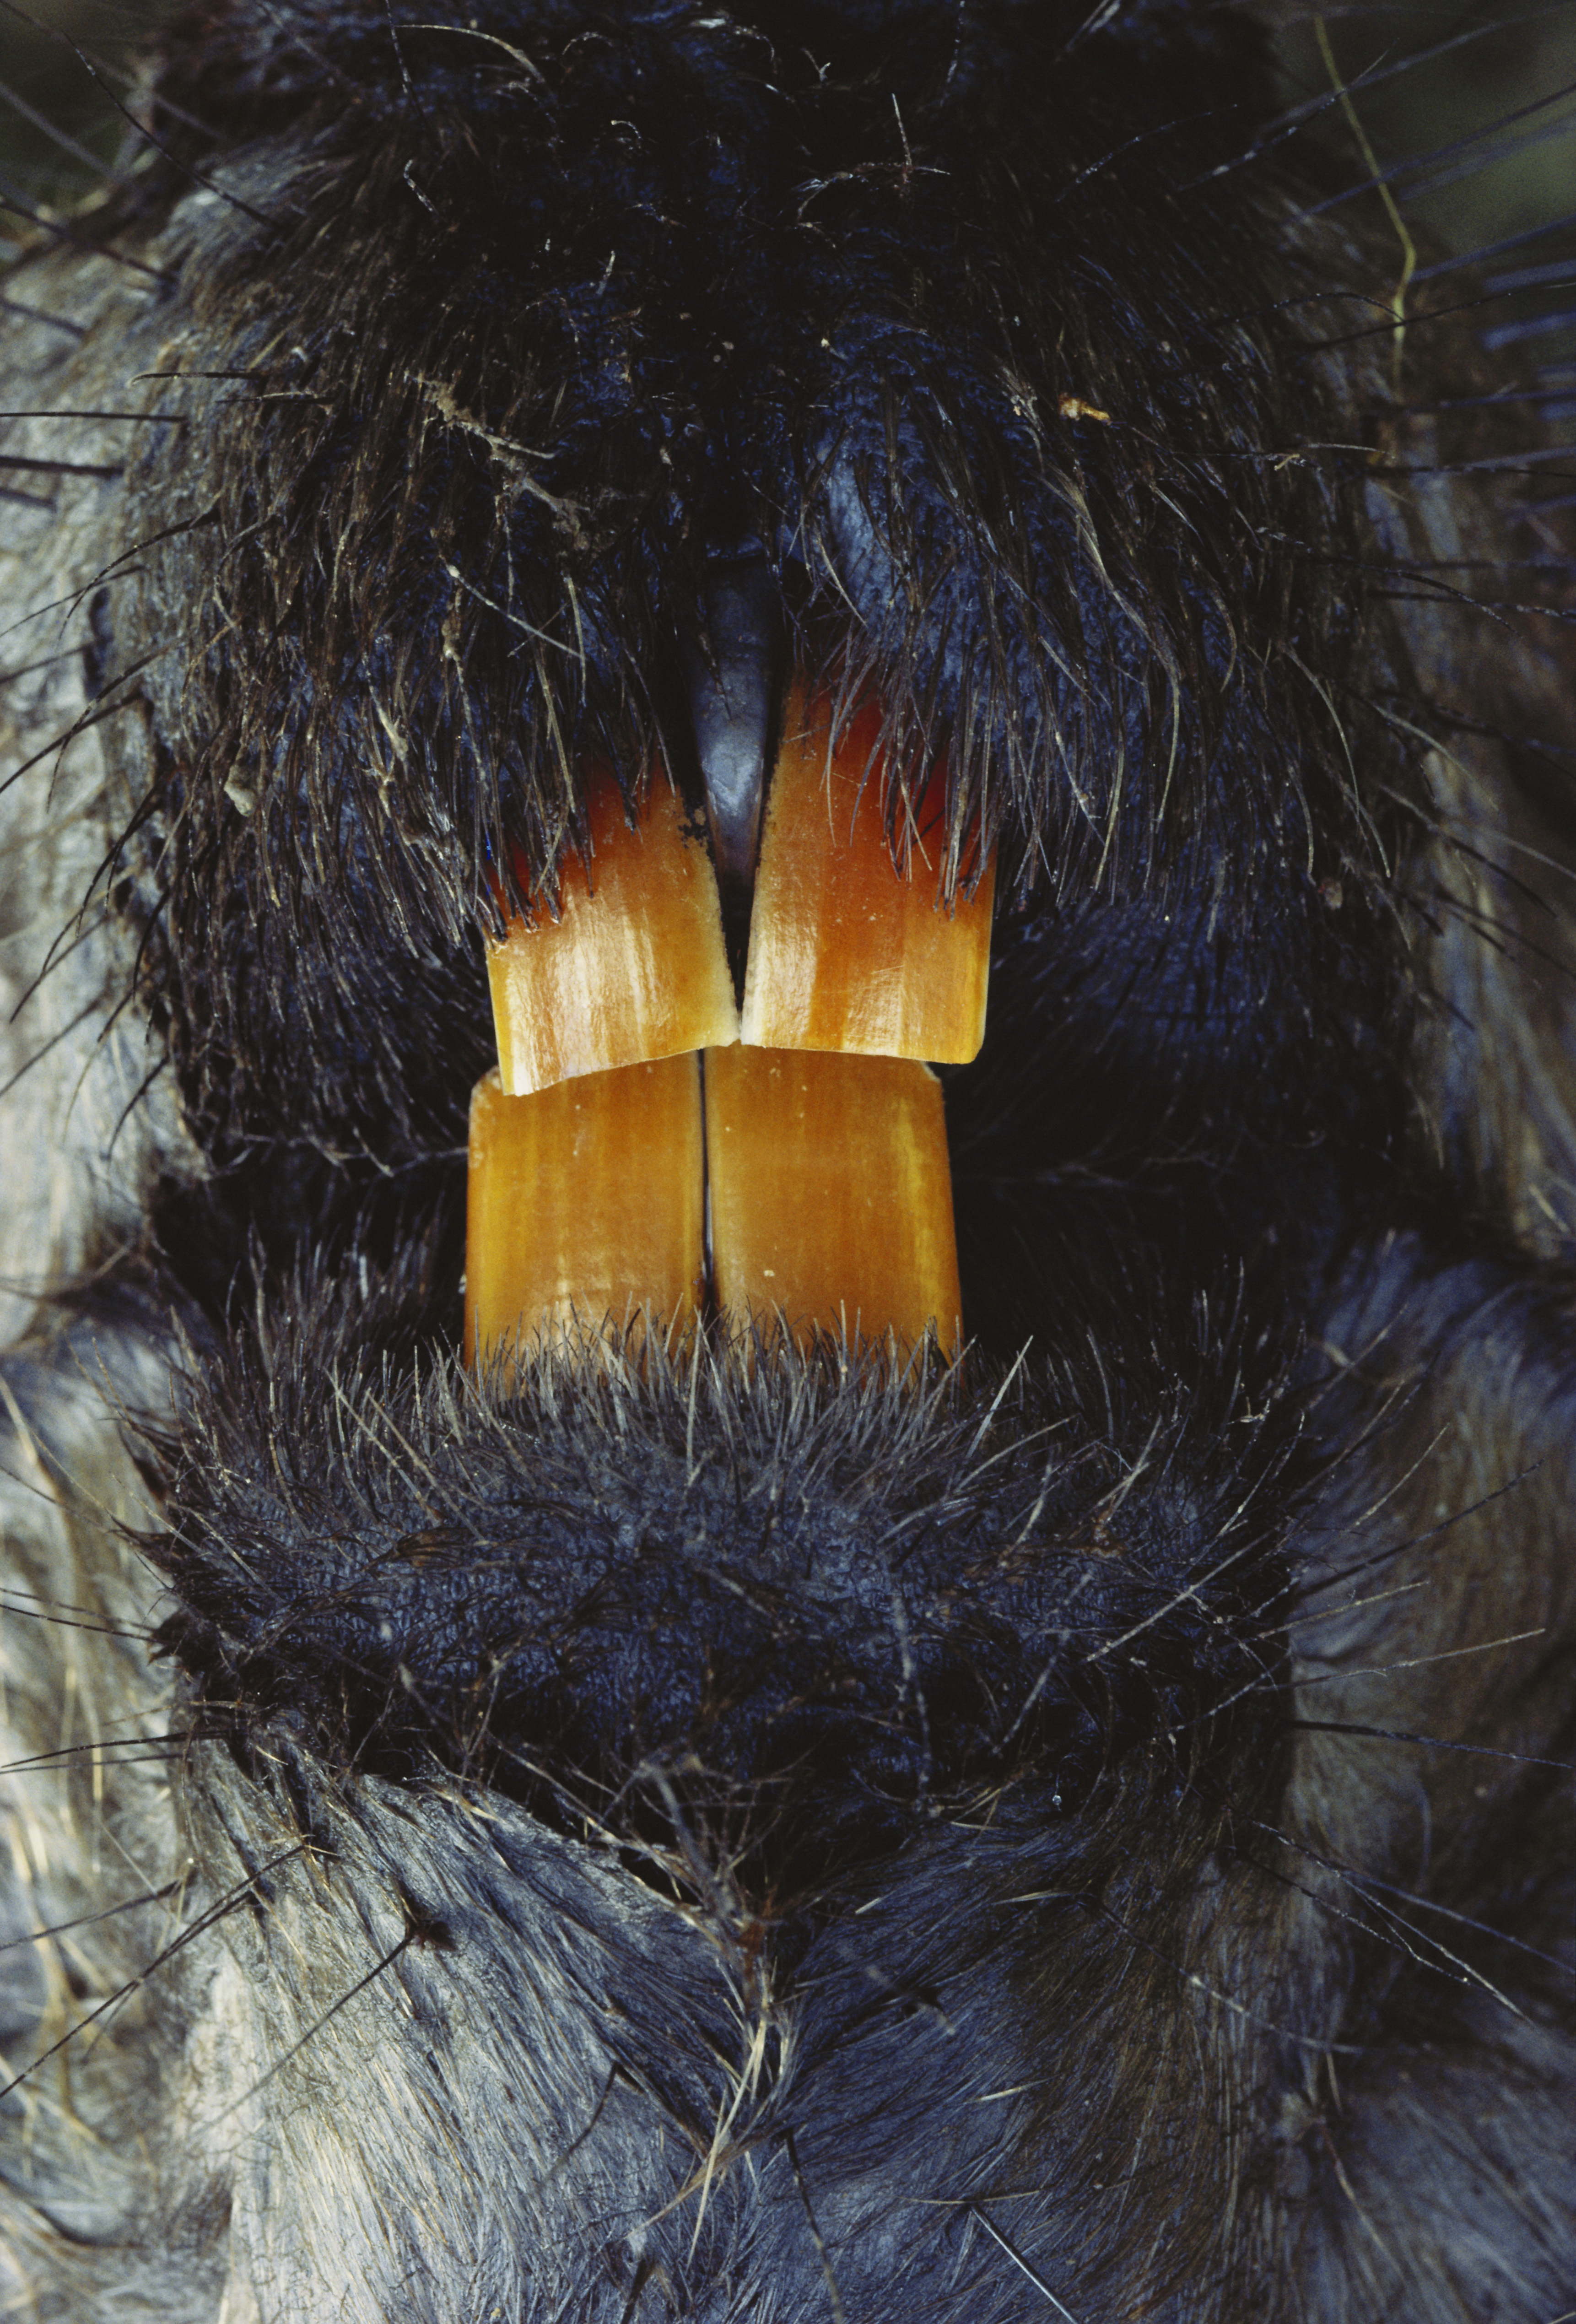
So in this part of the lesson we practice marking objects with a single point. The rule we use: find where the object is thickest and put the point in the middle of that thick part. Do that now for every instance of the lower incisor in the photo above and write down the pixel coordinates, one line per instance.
(585, 1208)
(831, 1194)
(831, 1201)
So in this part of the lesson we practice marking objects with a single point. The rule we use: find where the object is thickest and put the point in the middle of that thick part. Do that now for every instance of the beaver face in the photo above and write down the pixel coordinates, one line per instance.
(796, 1687)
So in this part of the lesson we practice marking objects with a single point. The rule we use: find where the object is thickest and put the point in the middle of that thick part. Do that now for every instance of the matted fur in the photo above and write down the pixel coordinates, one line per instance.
(703, 1831)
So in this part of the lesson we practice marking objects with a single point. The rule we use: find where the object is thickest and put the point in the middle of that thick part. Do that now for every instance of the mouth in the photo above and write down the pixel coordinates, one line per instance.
(828, 1578)
(714, 1098)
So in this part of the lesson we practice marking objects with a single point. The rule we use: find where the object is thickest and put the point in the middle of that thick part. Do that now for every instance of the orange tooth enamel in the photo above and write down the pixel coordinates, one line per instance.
(845, 952)
(585, 1200)
(634, 967)
(831, 1195)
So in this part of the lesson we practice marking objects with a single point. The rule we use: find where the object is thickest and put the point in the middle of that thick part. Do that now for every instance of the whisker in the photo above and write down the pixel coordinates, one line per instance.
(71, 1621)
(63, 1033)
(828, 2277)
(209, 1919)
(163, 418)
(37, 315)
(1428, 189)
(97, 166)
(1420, 319)
(187, 168)
(1348, 1606)
(65, 1751)
(63, 233)
(90, 1751)
(1428, 1742)
(280, 2064)
(1393, 1929)
(1459, 259)
(974, 2211)
(99, 65)
(1408, 163)
(159, 1066)
(95, 712)
(1417, 1540)
(77, 931)
(1464, 1921)
(1363, 1880)
(71, 599)
(1419, 1662)
(105, 472)
(90, 1920)
(1311, 112)
(1507, 398)
(64, 1605)
(44, 662)
(1535, 327)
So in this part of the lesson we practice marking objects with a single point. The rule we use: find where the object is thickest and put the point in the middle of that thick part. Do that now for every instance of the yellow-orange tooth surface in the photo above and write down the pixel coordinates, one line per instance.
(845, 952)
(634, 967)
(585, 1200)
(831, 1194)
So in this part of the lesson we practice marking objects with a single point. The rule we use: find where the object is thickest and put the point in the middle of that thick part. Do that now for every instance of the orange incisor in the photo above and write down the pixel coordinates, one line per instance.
(831, 1194)
(831, 1201)
(632, 966)
(847, 952)
(586, 1205)
(597, 1146)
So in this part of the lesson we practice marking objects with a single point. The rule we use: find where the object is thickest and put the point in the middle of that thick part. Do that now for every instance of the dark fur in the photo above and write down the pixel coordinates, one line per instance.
(730, 1834)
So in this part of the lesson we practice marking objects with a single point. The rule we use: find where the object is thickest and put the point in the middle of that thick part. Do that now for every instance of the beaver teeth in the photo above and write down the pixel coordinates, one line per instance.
(587, 1201)
(631, 1096)
(845, 952)
(632, 966)
(829, 1192)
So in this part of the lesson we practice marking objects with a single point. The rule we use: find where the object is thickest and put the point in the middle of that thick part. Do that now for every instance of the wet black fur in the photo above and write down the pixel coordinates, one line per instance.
(940, 1736)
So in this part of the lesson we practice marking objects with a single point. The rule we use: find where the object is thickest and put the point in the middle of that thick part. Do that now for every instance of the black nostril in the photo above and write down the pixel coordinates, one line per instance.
(734, 670)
